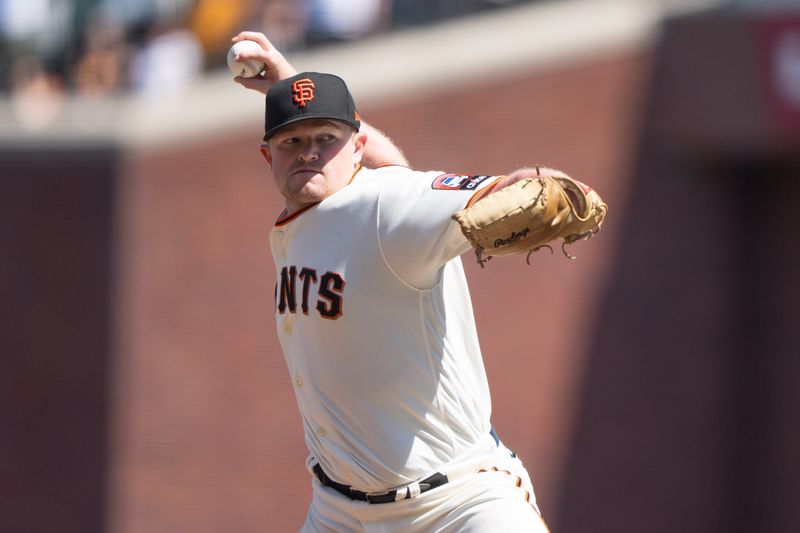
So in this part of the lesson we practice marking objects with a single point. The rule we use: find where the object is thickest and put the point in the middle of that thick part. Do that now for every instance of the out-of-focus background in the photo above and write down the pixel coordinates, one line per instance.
(650, 385)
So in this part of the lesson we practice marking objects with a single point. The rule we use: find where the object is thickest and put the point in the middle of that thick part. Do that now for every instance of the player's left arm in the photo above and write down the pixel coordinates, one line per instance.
(518, 175)
(379, 149)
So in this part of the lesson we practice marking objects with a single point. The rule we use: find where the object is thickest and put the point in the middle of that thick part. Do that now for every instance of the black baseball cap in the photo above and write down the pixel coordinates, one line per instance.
(309, 95)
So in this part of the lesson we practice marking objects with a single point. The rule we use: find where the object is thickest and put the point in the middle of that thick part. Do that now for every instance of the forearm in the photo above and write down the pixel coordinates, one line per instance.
(380, 150)
(515, 176)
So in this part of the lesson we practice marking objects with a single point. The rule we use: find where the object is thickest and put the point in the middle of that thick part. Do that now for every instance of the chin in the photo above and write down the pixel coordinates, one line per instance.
(309, 196)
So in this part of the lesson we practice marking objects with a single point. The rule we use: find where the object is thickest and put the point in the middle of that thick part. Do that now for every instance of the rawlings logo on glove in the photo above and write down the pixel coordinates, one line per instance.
(528, 214)
(514, 238)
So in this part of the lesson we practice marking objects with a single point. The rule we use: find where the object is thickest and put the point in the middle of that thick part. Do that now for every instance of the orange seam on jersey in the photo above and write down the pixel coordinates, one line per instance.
(288, 218)
(384, 165)
(483, 192)
(356, 171)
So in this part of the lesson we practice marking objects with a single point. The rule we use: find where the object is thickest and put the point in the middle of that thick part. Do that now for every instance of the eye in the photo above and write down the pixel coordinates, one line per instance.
(288, 141)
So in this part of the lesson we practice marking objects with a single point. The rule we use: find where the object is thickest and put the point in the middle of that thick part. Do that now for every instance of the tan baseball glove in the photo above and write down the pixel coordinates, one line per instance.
(525, 216)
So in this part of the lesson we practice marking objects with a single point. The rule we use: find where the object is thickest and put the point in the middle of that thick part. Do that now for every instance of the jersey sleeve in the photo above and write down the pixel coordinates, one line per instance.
(415, 226)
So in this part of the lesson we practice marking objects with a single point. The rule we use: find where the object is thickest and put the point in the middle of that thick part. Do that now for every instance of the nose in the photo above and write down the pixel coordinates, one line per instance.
(310, 152)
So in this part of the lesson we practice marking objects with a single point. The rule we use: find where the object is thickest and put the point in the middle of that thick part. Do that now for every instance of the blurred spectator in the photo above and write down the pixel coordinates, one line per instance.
(170, 58)
(37, 94)
(20, 19)
(214, 22)
(133, 12)
(102, 66)
(152, 45)
(45, 24)
(33, 27)
(344, 20)
(284, 22)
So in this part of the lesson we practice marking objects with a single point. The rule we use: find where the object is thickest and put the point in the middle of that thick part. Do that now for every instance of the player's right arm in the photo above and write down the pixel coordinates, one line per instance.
(379, 149)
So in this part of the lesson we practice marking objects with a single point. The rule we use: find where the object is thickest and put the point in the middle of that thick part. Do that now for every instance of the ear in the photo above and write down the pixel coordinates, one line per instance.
(266, 153)
(359, 142)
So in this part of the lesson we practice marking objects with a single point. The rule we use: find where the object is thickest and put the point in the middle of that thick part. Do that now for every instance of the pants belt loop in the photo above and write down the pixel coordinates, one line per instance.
(413, 490)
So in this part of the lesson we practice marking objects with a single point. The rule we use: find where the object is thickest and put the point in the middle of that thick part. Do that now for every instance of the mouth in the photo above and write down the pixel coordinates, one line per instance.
(301, 171)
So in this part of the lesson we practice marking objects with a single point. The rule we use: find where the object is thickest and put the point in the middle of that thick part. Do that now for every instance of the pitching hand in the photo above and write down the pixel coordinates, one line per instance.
(526, 173)
(276, 67)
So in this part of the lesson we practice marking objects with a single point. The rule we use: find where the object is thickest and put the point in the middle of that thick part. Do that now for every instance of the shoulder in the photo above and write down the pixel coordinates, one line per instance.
(385, 172)
(396, 177)
(388, 181)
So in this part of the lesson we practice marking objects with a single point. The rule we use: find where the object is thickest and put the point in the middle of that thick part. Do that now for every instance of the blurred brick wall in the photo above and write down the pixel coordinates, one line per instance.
(688, 412)
(56, 320)
(202, 413)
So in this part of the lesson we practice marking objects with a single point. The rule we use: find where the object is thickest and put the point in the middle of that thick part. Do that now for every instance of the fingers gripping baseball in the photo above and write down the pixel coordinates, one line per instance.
(276, 67)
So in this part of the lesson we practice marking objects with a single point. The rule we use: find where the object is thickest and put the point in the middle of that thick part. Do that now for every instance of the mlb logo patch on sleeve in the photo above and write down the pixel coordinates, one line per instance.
(455, 182)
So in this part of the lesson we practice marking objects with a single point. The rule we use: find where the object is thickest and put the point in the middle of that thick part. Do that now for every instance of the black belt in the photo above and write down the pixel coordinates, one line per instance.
(431, 482)
(436, 480)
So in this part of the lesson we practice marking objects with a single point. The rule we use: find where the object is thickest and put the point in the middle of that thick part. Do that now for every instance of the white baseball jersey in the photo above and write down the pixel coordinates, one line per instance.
(375, 321)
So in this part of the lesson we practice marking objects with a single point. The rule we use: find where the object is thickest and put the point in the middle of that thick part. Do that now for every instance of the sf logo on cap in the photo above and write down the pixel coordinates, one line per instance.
(303, 91)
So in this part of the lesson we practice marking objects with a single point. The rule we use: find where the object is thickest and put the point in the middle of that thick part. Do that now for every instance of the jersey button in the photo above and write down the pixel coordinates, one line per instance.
(283, 254)
(288, 329)
(298, 379)
(321, 431)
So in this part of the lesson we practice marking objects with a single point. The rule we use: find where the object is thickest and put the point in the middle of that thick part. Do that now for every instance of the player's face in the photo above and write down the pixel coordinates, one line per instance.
(312, 159)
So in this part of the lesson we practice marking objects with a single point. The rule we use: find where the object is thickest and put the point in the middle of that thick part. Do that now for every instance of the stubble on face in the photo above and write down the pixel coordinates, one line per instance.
(312, 159)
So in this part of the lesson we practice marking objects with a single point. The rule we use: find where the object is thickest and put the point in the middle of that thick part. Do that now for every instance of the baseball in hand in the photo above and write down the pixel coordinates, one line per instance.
(246, 68)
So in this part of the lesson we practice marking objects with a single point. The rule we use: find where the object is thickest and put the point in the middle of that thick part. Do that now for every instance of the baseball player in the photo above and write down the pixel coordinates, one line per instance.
(374, 315)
